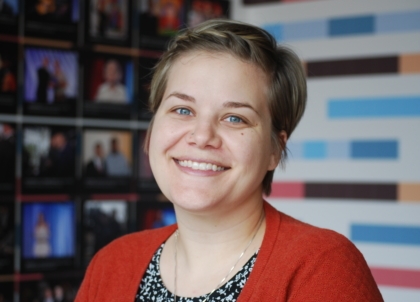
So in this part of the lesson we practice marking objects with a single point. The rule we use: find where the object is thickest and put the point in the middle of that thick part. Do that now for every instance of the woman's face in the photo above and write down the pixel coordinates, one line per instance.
(210, 145)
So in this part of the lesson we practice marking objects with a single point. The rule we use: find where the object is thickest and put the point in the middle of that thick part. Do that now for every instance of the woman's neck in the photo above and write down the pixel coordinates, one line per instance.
(208, 246)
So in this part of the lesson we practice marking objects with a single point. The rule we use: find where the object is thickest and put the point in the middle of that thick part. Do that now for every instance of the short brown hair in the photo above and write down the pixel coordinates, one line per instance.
(287, 82)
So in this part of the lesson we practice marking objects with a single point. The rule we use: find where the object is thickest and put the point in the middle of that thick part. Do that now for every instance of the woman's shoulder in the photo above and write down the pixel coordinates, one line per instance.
(142, 242)
(301, 234)
(313, 262)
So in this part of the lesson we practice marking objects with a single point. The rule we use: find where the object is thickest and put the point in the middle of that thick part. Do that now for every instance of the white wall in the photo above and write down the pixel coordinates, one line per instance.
(400, 259)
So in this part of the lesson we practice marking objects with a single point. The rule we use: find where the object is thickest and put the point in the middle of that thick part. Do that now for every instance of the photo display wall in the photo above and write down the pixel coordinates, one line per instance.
(74, 86)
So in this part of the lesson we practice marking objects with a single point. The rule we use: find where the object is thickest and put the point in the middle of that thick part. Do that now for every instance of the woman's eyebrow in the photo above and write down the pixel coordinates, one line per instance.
(182, 96)
(239, 105)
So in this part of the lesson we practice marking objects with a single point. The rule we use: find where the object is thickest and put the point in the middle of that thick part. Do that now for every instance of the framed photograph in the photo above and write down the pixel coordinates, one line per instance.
(7, 158)
(107, 159)
(7, 235)
(159, 21)
(48, 235)
(50, 288)
(152, 214)
(146, 66)
(9, 11)
(48, 159)
(52, 19)
(203, 10)
(51, 82)
(109, 91)
(108, 22)
(8, 77)
(103, 222)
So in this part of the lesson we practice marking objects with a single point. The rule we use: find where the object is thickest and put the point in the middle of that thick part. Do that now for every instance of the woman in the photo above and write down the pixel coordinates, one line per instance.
(225, 100)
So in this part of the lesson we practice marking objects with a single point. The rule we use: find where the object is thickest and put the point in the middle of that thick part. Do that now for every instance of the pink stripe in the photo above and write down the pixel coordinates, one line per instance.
(288, 189)
(38, 198)
(396, 277)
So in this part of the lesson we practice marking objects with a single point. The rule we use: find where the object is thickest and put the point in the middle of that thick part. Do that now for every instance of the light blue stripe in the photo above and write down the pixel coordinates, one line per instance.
(374, 107)
(276, 30)
(403, 21)
(338, 149)
(314, 150)
(305, 30)
(386, 234)
(351, 26)
(386, 149)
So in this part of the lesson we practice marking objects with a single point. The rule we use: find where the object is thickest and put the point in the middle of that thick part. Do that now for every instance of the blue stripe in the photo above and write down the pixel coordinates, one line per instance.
(305, 30)
(386, 234)
(314, 150)
(374, 107)
(351, 26)
(276, 30)
(374, 149)
(403, 21)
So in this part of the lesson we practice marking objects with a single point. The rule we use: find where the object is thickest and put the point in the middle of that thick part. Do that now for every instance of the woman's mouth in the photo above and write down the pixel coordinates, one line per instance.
(203, 166)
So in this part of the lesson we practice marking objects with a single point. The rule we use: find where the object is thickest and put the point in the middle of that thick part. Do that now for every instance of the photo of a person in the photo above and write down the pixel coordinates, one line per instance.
(42, 246)
(49, 229)
(60, 159)
(59, 82)
(116, 163)
(50, 76)
(161, 17)
(44, 81)
(49, 290)
(48, 152)
(96, 167)
(112, 90)
(107, 153)
(203, 10)
(109, 19)
(105, 220)
(169, 16)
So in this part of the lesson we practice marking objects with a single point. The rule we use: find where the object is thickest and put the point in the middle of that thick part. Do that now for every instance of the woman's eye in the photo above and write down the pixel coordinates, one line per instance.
(183, 111)
(234, 119)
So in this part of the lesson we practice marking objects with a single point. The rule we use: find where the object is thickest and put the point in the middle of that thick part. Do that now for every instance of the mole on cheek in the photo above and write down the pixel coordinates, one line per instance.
(242, 133)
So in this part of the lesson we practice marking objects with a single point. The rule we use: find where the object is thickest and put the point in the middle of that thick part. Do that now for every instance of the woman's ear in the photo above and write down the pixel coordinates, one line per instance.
(278, 146)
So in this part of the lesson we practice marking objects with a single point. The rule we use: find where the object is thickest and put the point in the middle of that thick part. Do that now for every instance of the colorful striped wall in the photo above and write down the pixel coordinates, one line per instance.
(354, 160)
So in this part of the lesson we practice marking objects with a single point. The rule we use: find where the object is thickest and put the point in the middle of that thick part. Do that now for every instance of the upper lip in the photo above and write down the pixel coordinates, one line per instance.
(200, 160)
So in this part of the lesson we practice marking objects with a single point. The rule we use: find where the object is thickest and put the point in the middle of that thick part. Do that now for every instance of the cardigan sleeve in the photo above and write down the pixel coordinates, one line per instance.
(87, 290)
(337, 274)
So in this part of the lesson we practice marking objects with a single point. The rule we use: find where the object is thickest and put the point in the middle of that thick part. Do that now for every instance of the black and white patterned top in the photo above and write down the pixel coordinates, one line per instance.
(152, 289)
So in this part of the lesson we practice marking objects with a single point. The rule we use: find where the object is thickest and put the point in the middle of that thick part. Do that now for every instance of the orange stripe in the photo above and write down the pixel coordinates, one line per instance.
(409, 63)
(408, 192)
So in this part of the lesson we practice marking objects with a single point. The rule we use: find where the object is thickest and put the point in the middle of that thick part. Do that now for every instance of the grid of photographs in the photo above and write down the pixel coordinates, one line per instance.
(74, 87)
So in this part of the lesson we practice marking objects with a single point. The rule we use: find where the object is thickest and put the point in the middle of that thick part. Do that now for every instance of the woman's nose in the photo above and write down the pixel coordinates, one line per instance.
(204, 134)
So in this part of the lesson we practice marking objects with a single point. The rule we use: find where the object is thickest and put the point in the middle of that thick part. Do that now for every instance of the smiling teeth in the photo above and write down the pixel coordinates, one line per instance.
(200, 166)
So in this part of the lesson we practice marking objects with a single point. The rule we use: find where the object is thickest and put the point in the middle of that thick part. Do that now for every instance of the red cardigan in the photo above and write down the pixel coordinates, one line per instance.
(296, 262)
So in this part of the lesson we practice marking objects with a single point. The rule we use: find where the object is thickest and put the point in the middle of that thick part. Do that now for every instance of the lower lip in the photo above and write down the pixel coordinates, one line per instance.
(191, 171)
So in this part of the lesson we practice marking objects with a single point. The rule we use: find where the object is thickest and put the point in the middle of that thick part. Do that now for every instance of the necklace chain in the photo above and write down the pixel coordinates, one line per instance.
(231, 269)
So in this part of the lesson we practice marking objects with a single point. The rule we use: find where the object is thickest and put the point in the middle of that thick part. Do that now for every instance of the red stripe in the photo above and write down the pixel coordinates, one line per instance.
(60, 197)
(288, 189)
(128, 197)
(28, 277)
(396, 277)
